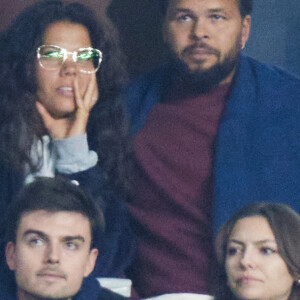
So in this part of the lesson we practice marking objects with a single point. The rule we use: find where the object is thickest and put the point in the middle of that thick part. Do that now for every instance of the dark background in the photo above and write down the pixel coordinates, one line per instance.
(275, 34)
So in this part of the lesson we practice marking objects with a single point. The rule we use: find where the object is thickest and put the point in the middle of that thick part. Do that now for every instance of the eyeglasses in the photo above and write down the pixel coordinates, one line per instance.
(52, 57)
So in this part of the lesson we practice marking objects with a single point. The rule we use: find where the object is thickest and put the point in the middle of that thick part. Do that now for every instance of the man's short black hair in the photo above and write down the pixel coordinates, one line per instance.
(246, 6)
(55, 195)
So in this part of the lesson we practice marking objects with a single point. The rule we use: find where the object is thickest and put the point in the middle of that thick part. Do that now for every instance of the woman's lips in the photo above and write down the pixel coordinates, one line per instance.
(65, 91)
(248, 280)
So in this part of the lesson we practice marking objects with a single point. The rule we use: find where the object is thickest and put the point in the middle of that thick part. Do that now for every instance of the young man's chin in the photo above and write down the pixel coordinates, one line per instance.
(41, 295)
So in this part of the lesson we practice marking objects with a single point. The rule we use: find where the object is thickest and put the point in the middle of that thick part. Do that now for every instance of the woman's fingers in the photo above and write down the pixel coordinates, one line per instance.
(78, 96)
(46, 117)
(94, 89)
(90, 96)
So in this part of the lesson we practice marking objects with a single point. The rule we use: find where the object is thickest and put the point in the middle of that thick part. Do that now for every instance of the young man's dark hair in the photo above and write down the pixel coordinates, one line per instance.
(245, 6)
(55, 195)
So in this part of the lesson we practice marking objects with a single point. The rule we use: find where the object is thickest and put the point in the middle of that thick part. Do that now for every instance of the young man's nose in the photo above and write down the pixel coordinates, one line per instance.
(52, 254)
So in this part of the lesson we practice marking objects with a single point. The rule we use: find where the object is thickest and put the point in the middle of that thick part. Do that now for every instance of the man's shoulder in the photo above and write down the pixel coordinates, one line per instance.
(267, 73)
(258, 82)
(153, 79)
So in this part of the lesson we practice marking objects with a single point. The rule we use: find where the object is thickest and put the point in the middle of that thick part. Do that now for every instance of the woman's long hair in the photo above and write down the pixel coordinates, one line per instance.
(20, 123)
(285, 224)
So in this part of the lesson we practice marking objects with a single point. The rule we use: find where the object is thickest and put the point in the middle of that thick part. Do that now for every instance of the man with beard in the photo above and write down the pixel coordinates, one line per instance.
(213, 130)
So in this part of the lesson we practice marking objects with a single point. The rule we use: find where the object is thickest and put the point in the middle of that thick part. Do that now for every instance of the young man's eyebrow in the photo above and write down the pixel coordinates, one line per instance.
(33, 231)
(46, 237)
(72, 238)
(36, 232)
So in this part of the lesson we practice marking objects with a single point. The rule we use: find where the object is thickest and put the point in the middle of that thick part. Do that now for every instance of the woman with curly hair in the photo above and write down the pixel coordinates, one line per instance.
(258, 253)
(60, 73)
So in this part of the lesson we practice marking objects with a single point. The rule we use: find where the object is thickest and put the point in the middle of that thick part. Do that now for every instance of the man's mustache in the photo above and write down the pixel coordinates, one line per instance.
(51, 271)
(202, 46)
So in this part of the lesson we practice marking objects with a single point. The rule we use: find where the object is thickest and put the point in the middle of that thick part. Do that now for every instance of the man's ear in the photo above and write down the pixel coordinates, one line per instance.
(91, 262)
(246, 26)
(164, 32)
(10, 254)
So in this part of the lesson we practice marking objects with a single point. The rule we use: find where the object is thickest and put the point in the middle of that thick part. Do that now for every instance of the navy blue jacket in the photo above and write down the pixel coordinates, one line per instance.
(90, 284)
(257, 154)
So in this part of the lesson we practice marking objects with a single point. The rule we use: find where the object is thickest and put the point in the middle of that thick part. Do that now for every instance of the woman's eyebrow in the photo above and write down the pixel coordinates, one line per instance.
(255, 242)
(235, 241)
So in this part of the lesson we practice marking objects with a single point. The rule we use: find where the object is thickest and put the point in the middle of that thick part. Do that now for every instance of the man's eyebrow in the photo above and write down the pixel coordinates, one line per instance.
(181, 10)
(220, 10)
(36, 232)
(45, 236)
(189, 11)
(216, 10)
(72, 238)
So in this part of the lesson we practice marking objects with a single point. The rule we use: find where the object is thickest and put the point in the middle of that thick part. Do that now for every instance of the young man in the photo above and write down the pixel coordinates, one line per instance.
(52, 233)
(214, 130)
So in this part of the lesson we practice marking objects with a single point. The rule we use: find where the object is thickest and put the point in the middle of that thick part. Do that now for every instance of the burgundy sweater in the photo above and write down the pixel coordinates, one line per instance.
(172, 201)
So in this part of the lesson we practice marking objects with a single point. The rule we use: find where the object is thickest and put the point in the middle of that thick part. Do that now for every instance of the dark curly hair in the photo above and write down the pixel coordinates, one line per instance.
(21, 124)
(245, 6)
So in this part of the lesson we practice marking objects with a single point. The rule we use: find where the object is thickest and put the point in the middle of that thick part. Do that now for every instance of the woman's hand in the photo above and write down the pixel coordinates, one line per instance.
(76, 123)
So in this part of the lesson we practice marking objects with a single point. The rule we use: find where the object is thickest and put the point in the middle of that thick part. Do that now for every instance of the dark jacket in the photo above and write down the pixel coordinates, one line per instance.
(257, 154)
(91, 284)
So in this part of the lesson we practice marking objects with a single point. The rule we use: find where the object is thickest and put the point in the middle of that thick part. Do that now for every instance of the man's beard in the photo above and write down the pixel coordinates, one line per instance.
(197, 82)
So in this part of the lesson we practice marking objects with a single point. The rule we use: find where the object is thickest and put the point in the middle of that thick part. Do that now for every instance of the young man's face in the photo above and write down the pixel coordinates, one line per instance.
(51, 255)
(205, 33)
